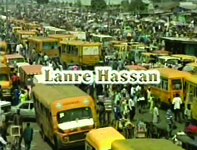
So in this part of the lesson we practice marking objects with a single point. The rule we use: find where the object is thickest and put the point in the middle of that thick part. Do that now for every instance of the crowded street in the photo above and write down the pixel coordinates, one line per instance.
(98, 75)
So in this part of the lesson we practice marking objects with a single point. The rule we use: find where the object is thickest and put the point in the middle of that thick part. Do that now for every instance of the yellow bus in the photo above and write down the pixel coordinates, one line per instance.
(144, 144)
(172, 82)
(104, 39)
(24, 35)
(44, 45)
(64, 113)
(3, 48)
(63, 37)
(191, 96)
(101, 139)
(80, 52)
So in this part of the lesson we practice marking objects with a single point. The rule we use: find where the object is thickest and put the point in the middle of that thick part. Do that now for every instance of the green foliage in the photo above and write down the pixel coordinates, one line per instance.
(98, 5)
(42, 1)
(78, 3)
(137, 5)
(125, 5)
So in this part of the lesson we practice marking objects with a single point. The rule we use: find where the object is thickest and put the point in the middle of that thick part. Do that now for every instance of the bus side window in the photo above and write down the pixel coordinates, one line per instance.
(195, 94)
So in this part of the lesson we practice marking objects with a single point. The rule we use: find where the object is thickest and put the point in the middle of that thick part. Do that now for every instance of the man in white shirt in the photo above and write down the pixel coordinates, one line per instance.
(177, 107)
(131, 109)
(19, 48)
(132, 91)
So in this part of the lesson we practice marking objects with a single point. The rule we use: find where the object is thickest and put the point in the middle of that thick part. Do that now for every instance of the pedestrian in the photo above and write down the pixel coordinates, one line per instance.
(188, 115)
(170, 122)
(131, 109)
(3, 143)
(148, 94)
(2, 118)
(1, 93)
(29, 84)
(23, 96)
(126, 110)
(16, 95)
(101, 112)
(118, 115)
(28, 136)
(141, 100)
(155, 114)
(177, 107)
(151, 101)
(15, 80)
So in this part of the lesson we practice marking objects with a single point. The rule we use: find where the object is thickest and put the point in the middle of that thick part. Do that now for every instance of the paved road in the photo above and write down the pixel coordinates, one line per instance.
(39, 144)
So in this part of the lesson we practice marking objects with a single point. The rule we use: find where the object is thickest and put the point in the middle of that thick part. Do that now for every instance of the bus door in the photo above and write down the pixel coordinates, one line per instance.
(177, 88)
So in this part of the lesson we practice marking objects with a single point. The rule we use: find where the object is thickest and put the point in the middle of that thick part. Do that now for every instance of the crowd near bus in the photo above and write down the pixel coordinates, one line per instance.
(98, 116)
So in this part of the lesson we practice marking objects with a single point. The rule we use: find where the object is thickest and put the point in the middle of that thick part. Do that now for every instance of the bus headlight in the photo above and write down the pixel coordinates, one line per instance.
(66, 139)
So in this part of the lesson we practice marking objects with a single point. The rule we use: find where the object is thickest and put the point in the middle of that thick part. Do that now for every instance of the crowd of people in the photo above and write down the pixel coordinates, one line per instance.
(126, 100)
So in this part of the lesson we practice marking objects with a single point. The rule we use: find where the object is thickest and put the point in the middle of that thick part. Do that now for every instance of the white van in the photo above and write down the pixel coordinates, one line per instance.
(38, 79)
(165, 60)
(5, 108)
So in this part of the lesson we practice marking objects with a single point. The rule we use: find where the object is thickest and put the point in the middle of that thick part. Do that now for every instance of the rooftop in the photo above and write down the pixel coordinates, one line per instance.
(172, 73)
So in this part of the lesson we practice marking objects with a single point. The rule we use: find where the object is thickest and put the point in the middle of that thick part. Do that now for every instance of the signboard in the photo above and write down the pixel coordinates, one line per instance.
(92, 50)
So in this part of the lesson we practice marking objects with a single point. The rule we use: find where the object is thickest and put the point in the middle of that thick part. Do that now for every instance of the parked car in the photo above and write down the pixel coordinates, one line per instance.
(5, 108)
(27, 110)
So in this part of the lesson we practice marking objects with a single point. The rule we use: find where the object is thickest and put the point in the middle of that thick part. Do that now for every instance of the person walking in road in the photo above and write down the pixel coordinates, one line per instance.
(1, 93)
(28, 136)
(2, 142)
(131, 109)
(177, 107)
(155, 114)
(170, 122)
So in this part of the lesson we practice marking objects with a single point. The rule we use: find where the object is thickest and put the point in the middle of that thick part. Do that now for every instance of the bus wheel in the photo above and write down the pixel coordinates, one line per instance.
(42, 134)
(57, 145)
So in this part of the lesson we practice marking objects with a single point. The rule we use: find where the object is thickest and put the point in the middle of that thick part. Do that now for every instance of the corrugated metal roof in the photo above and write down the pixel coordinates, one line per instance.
(32, 69)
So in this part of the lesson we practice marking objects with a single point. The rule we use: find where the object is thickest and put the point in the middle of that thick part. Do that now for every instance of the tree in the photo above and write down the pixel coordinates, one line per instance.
(137, 5)
(42, 1)
(78, 3)
(125, 4)
(98, 5)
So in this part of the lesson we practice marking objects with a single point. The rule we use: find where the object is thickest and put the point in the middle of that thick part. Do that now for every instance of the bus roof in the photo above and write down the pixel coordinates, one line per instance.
(42, 39)
(26, 32)
(143, 144)
(192, 64)
(181, 39)
(32, 69)
(172, 73)
(81, 43)
(13, 56)
(192, 78)
(53, 28)
(53, 93)
(168, 57)
(184, 56)
(102, 138)
(102, 36)
(61, 35)
(147, 54)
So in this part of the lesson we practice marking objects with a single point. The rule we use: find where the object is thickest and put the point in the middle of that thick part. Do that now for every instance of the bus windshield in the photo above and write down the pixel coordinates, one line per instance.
(74, 118)
(176, 84)
(4, 77)
(16, 60)
(50, 45)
